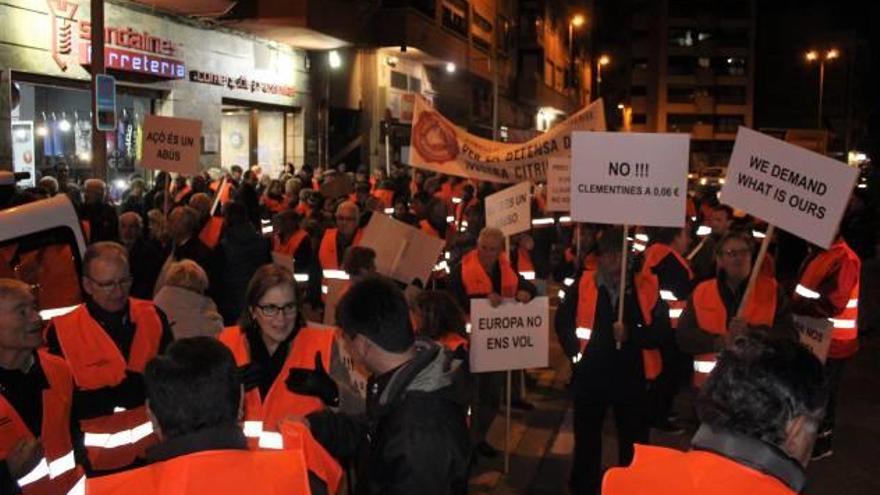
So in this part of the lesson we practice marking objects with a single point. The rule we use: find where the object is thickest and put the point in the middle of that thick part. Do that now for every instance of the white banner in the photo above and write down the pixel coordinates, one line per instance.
(510, 209)
(802, 192)
(512, 336)
(629, 178)
(815, 334)
(559, 184)
(439, 145)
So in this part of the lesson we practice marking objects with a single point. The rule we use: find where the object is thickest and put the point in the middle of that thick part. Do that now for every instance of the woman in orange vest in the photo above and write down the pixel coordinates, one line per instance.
(710, 318)
(743, 446)
(36, 393)
(436, 315)
(290, 239)
(272, 201)
(521, 256)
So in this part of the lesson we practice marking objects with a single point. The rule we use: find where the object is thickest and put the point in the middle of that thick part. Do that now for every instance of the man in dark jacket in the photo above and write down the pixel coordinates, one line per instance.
(414, 437)
(98, 215)
(248, 195)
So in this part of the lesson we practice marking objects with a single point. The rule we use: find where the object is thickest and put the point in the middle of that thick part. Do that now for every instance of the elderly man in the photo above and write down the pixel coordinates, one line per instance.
(49, 184)
(337, 240)
(107, 342)
(36, 453)
(98, 216)
(145, 250)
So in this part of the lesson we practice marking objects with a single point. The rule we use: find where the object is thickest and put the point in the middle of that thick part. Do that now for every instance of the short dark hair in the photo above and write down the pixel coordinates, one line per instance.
(725, 208)
(194, 385)
(235, 168)
(664, 235)
(375, 308)
(610, 241)
(734, 235)
(359, 259)
(440, 314)
(762, 381)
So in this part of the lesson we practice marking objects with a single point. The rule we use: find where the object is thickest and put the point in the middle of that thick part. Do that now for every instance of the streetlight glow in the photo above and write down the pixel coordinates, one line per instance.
(604, 60)
(578, 20)
(832, 54)
(450, 67)
(812, 55)
(334, 59)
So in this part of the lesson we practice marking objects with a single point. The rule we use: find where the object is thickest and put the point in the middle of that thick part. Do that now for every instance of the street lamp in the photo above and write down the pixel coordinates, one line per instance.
(334, 61)
(603, 60)
(821, 57)
(576, 21)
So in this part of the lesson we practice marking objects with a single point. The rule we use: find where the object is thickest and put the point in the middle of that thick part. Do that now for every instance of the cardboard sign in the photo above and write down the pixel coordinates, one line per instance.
(403, 252)
(815, 334)
(559, 184)
(172, 144)
(438, 145)
(795, 189)
(337, 186)
(629, 178)
(513, 336)
(510, 210)
(335, 290)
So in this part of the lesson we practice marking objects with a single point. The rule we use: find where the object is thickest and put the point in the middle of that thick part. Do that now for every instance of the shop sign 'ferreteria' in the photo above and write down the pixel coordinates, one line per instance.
(127, 49)
(242, 83)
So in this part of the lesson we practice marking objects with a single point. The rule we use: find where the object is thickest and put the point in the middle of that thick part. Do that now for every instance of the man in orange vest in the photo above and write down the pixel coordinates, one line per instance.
(36, 391)
(107, 342)
(194, 403)
(609, 370)
(829, 288)
(665, 275)
(760, 411)
(702, 256)
(710, 318)
(337, 240)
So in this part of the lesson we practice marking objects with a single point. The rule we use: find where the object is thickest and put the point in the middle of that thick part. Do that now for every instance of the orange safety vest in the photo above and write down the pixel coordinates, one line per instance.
(588, 296)
(293, 242)
(453, 341)
(477, 282)
(183, 192)
(524, 264)
(385, 197)
(844, 337)
(303, 209)
(690, 208)
(327, 254)
(50, 267)
(273, 205)
(86, 230)
(211, 232)
(57, 471)
(712, 316)
(117, 439)
(664, 471)
(591, 261)
(218, 472)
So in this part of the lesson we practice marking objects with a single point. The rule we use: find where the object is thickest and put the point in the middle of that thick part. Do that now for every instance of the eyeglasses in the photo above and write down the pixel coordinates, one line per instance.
(123, 283)
(735, 253)
(270, 310)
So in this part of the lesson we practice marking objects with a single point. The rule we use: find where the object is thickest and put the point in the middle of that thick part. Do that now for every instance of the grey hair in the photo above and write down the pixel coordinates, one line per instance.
(187, 274)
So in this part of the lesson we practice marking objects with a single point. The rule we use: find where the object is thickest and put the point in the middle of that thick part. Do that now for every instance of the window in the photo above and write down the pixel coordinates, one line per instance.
(680, 94)
(481, 43)
(455, 16)
(683, 122)
(399, 80)
(681, 65)
(482, 23)
(415, 84)
(639, 118)
(704, 62)
(731, 95)
(640, 63)
(728, 123)
(681, 37)
(638, 91)
(729, 66)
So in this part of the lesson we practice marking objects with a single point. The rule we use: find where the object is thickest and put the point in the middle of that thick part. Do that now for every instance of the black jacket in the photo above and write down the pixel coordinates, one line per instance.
(414, 437)
(241, 252)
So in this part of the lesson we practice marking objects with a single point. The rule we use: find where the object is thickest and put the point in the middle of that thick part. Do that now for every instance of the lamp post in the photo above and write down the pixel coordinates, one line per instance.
(334, 61)
(603, 60)
(821, 57)
(576, 21)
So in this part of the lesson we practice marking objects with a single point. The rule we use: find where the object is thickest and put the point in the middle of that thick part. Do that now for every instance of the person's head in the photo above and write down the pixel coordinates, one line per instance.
(187, 274)
(359, 261)
(292, 188)
(49, 184)
(235, 171)
(250, 177)
(157, 223)
(235, 213)
(271, 305)
(490, 244)
(199, 183)
(183, 223)
(362, 191)
(677, 239)
(286, 223)
(137, 187)
(347, 216)
(435, 313)
(769, 388)
(20, 323)
(467, 193)
(436, 211)
(733, 255)
(131, 227)
(419, 204)
(94, 191)
(193, 386)
(202, 203)
(721, 219)
(608, 252)
(400, 207)
(374, 315)
(106, 277)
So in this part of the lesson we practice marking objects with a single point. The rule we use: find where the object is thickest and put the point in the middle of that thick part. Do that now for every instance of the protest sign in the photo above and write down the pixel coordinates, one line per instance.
(438, 145)
(795, 189)
(403, 253)
(337, 185)
(348, 373)
(512, 336)
(558, 184)
(510, 209)
(629, 178)
(815, 334)
(172, 144)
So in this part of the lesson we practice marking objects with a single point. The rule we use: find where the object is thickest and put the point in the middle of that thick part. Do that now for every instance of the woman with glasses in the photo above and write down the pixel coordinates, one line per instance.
(710, 319)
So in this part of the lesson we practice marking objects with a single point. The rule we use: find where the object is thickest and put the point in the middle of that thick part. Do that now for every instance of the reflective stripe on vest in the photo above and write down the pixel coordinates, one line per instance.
(585, 315)
(118, 439)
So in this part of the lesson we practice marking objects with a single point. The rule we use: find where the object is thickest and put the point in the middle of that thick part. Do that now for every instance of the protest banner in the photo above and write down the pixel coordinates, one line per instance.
(629, 178)
(559, 184)
(403, 253)
(513, 336)
(510, 209)
(438, 145)
(814, 334)
(172, 144)
(795, 189)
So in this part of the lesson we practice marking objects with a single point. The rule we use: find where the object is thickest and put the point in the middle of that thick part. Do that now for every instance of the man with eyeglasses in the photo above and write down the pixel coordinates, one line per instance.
(710, 321)
(337, 240)
(107, 341)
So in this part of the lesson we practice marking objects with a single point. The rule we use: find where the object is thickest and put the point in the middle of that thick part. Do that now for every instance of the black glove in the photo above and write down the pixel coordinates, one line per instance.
(314, 383)
(250, 376)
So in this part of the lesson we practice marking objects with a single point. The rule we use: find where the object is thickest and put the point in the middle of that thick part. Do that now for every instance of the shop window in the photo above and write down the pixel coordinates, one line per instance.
(399, 80)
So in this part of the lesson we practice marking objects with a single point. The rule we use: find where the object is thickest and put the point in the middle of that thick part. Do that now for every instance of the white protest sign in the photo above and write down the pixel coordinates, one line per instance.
(512, 336)
(629, 178)
(795, 189)
(403, 252)
(559, 184)
(815, 334)
(510, 209)
(172, 144)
